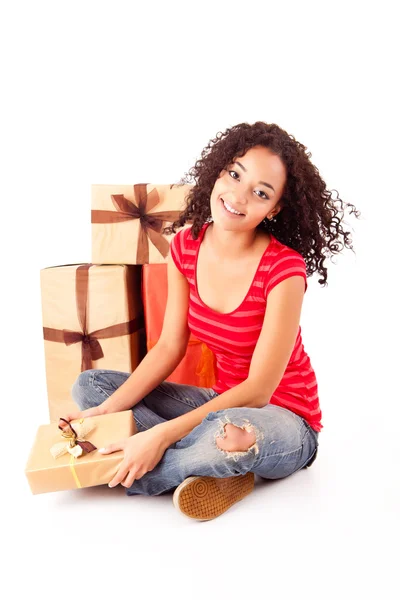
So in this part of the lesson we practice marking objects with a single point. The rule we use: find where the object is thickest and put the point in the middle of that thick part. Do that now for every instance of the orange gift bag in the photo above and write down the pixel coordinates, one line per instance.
(197, 366)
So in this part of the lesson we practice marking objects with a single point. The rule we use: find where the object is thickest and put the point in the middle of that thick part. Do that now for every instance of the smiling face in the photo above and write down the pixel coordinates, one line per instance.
(251, 185)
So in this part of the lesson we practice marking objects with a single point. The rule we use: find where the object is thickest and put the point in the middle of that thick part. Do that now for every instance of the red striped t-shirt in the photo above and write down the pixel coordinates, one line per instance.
(232, 337)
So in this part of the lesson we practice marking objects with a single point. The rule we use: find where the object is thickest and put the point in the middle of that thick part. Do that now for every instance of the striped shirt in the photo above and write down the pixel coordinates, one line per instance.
(232, 337)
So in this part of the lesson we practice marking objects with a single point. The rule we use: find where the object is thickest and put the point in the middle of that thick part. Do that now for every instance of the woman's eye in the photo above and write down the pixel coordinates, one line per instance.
(264, 194)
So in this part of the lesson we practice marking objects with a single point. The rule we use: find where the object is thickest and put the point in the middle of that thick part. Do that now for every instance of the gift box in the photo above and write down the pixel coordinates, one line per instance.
(128, 220)
(198, 365)
(47, 473)
(92, 319)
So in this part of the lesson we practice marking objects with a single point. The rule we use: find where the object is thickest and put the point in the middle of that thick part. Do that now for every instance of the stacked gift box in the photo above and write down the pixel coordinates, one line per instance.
(107, 314)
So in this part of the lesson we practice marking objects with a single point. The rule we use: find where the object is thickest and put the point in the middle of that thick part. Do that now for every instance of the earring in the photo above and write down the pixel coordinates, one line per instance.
(271, 220)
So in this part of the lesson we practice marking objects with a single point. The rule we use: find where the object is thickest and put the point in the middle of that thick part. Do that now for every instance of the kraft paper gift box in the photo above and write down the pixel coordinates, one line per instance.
(128, 220)
(92, 319)
(198, 365)
(66, 472)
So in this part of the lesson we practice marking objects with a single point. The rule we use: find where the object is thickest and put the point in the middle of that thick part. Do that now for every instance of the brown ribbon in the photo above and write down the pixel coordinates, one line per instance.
(69, 432)
(150, 224)
(91, 348)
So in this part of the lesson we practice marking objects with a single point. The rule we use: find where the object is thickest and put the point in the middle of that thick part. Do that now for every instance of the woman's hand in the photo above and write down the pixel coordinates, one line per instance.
(142, 452)
(83, 414)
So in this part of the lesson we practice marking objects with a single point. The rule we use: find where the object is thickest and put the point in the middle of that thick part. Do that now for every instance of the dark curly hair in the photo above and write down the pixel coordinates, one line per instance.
(309, 221)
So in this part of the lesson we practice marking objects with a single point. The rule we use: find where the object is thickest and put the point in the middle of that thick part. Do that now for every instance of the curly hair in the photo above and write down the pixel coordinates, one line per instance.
(310, 222)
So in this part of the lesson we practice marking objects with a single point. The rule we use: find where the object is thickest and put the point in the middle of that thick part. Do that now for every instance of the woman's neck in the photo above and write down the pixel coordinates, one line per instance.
(231, 244)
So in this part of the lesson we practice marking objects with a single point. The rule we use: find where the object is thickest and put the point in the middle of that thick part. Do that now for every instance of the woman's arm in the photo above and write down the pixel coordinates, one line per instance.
(268, 364)
(270, 357)
(143, 451)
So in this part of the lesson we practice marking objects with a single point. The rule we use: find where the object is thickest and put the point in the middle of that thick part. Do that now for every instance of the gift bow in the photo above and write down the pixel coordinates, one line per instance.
(76, 443)
(91, 348)
(151, 224)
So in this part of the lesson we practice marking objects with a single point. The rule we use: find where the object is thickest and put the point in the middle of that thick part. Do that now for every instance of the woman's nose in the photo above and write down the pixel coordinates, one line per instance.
(238, 201)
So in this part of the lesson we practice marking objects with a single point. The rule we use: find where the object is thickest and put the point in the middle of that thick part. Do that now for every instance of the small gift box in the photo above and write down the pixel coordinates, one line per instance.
(92, 319)
(67, 458)
(198, 365)
(128, 220)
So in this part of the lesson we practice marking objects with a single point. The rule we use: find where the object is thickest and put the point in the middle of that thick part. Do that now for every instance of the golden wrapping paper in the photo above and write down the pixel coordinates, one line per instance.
(92, 318)
(48, 474)
(127, 221)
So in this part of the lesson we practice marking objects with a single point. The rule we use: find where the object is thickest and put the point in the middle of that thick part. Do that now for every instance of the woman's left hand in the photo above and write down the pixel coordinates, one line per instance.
(142, 452)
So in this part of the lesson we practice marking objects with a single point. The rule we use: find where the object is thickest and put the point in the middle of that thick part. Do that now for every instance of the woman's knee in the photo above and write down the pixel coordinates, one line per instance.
(264, 431)
(240, 424)
(236, 438)
(83, 391)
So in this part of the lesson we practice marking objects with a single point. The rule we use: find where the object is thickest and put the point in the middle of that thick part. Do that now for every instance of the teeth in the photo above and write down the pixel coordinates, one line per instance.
(231, 209)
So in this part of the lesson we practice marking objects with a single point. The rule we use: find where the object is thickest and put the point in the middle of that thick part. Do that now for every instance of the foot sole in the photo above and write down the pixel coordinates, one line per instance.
(204, 498)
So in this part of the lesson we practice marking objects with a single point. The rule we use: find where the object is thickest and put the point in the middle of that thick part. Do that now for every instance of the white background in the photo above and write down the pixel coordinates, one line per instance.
(119, 92)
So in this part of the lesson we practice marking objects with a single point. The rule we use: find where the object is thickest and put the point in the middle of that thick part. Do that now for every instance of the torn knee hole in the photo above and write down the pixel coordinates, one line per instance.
(236, 439)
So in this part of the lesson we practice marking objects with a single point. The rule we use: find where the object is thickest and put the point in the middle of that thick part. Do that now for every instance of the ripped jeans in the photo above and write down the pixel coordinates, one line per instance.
(284, 444)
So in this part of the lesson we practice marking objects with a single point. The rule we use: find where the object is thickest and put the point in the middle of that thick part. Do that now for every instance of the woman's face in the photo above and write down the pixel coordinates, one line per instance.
(251, 186)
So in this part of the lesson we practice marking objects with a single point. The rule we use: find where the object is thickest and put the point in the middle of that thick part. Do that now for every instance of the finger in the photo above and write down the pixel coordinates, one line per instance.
(70, 416)
(133, 476)
(75, 416)
(129, 479)
(119, 477)
(111, 448)
(139, 474)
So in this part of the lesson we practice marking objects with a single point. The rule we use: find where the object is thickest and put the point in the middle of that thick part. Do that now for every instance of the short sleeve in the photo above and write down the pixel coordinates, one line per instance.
(287, 264)
(176, 249)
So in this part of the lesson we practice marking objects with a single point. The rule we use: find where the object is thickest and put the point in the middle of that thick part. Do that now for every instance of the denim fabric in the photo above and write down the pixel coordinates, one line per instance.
(285, 442)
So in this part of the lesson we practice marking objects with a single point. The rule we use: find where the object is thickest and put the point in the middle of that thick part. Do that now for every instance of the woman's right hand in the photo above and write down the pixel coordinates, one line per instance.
(83, 414)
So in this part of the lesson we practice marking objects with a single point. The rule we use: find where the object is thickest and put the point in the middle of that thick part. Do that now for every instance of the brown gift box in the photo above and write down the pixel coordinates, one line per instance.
(48, 474)
(128, 220)
(92, 319)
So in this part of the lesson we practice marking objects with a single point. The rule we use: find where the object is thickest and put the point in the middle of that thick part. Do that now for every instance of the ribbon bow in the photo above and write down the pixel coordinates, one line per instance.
(76, 444)
(151, 223)
(91, 349)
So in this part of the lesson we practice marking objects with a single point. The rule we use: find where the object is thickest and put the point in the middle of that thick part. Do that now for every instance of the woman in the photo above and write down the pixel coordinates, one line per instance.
(262, 220)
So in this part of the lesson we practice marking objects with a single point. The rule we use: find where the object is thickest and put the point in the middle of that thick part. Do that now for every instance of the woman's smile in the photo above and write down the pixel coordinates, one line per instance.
(229, 210)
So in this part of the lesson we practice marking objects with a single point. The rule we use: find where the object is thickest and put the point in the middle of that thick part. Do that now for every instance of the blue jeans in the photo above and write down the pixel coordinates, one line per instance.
(285, 442)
